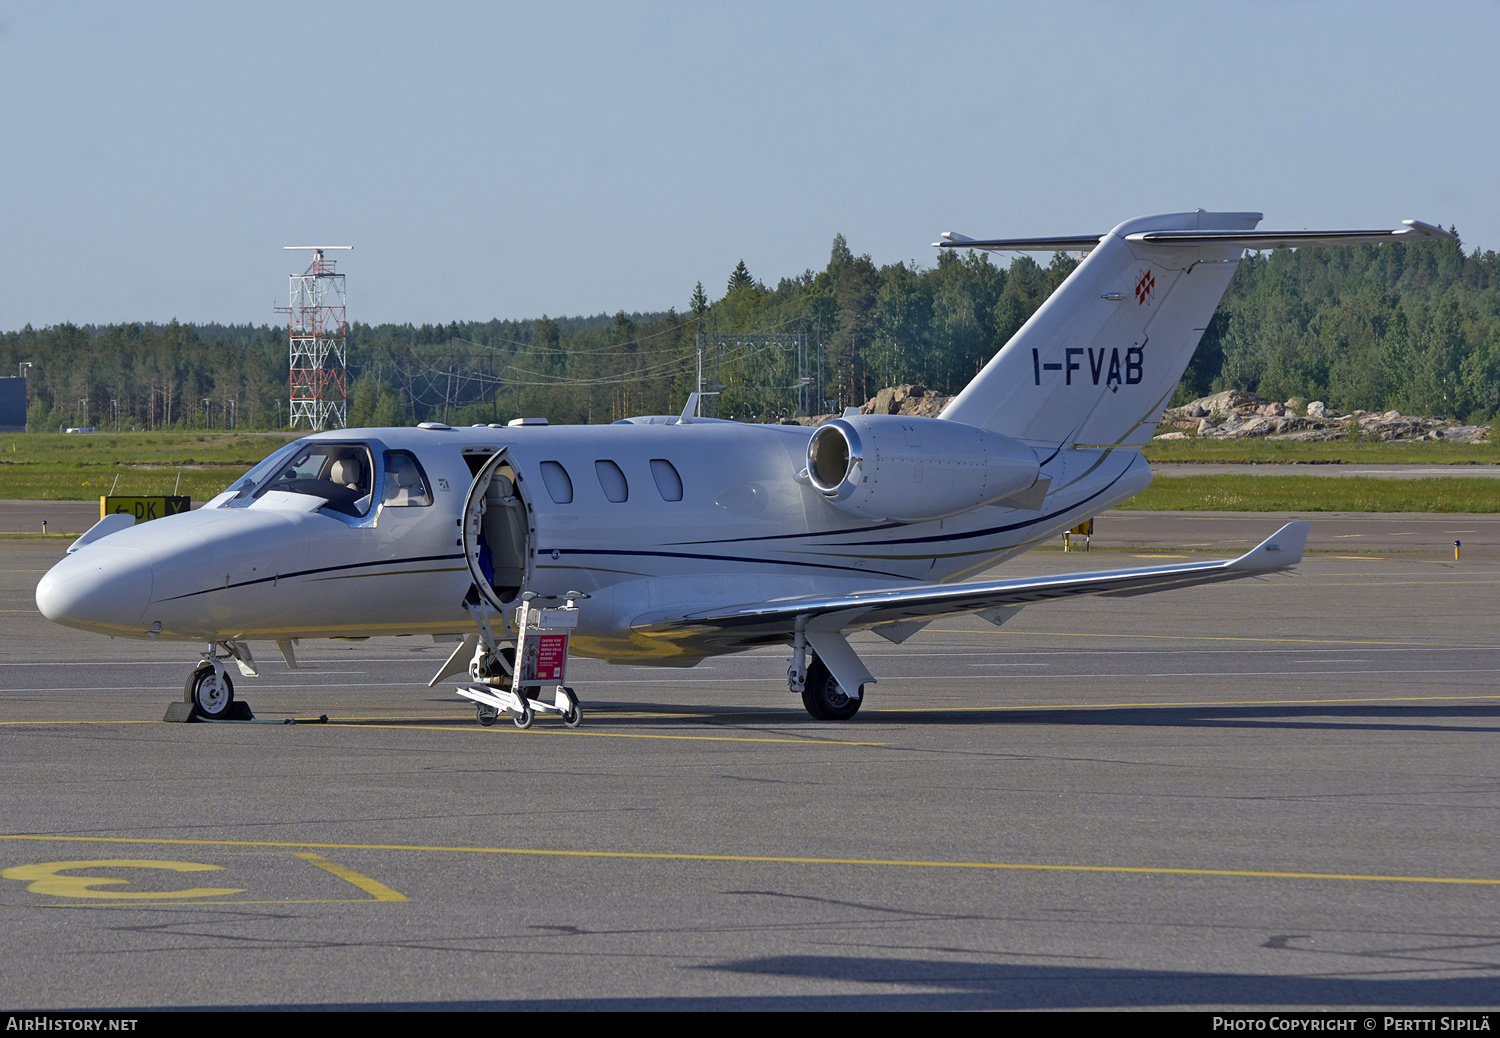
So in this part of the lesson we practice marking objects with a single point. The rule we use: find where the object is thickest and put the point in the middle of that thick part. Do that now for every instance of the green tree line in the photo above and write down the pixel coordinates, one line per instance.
(1412, 327)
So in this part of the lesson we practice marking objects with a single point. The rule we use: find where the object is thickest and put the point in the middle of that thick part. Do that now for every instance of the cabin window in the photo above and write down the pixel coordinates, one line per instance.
(405, 482)
(612, 480)
(559, 486)
(667, 479)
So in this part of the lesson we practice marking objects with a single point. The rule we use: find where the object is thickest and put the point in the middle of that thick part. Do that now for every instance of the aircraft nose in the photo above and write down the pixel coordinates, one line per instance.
(97, 588)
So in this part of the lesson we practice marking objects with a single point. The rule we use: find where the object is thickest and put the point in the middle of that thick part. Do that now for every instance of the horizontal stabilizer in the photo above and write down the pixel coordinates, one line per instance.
(1065, 243)
(863, 609)
(1413, 230)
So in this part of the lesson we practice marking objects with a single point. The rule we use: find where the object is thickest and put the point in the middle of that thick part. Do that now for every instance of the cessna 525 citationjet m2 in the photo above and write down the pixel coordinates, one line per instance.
(692, 537)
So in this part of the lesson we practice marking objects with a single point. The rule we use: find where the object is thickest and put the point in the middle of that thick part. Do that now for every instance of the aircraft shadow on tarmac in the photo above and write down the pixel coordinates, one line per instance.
(1337, 716)
(971, 985)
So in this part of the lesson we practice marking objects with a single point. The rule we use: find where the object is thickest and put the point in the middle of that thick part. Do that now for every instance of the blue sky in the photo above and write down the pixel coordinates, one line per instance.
(497, 160)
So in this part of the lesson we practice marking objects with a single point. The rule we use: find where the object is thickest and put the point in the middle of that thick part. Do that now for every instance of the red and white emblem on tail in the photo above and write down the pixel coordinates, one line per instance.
(1144, 287)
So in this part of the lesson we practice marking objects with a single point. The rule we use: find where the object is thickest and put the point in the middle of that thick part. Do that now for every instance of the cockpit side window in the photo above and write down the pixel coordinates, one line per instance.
(340, 473)
(405, 482)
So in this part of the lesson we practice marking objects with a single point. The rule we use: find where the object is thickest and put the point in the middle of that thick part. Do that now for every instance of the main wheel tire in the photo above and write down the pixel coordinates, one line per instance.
(824, 700)
(211, 693)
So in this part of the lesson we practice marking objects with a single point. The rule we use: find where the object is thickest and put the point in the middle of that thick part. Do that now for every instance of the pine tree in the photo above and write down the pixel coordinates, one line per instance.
(741, 277)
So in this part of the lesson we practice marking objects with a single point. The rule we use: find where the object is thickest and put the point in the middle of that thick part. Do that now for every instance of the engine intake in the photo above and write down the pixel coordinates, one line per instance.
(896, 467)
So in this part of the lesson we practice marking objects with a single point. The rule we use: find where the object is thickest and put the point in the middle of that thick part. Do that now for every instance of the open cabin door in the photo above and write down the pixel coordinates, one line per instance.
(496, 528)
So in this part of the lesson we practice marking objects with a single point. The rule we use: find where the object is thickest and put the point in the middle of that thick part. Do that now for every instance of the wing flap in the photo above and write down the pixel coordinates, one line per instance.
(864, 609)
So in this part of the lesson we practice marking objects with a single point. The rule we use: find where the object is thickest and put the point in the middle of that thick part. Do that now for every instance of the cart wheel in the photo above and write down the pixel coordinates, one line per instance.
(524, 721)
(486, 715)
(574, 716)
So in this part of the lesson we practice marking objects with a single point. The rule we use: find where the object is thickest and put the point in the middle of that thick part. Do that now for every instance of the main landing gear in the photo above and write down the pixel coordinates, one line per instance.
(823, 697)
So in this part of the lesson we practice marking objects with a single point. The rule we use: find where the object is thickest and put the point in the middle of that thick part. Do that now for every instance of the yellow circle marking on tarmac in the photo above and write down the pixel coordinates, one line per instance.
(46, 878)
(770, 859)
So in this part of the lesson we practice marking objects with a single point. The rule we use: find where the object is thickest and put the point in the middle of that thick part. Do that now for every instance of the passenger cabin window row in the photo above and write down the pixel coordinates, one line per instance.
(611, 480)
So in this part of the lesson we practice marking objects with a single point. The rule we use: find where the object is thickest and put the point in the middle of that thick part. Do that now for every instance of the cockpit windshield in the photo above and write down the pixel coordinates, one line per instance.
(272, 463)
(340, 473)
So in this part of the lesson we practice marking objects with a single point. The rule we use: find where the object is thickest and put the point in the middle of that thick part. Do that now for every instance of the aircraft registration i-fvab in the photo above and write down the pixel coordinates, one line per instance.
(693, 537)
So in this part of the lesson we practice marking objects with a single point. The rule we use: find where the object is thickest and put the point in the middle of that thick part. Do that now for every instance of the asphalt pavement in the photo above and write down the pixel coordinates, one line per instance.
(1276, 793)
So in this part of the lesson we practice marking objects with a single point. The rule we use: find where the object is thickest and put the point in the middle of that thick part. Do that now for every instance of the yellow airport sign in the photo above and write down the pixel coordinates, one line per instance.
(143, 508)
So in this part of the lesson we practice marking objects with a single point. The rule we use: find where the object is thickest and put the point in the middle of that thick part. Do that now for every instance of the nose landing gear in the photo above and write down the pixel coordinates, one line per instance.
(208, 694)
(210, 691)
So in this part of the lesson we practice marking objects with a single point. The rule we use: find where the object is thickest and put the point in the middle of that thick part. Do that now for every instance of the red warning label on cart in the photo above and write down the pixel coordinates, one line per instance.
(545, 659)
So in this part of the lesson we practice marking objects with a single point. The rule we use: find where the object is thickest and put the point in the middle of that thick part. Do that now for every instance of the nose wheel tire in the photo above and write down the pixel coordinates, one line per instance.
(211, 693)
(824, 700)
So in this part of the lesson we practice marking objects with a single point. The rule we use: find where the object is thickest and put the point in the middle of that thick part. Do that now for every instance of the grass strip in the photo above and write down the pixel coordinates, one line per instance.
(1359, 452)
(1316, 494)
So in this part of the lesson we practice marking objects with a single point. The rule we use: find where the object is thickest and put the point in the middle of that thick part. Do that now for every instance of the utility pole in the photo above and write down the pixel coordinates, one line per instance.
(26, 425)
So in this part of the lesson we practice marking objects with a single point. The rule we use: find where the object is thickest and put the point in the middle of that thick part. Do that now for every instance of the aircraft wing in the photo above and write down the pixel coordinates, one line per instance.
(770, 621)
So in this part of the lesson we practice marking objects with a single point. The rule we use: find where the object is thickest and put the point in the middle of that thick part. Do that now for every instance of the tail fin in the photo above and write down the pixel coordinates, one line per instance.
(1095, 365)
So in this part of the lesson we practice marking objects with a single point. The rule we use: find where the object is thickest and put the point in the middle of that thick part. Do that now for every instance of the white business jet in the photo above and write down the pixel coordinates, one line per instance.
(691, 537)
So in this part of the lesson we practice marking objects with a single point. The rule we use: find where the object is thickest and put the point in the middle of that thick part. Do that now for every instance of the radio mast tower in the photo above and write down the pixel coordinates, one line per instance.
(318, 335)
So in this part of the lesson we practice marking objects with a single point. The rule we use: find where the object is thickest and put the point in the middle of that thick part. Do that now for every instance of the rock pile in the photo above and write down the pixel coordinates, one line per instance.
(902, 399)
(1230, 415)
(906, 399)
(1233, 415)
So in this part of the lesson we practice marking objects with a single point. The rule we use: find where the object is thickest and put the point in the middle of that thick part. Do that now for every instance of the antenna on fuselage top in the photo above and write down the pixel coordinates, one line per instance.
(690, 409)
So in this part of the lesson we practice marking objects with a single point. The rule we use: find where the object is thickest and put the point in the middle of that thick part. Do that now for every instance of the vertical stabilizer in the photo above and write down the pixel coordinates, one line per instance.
(1095, 365)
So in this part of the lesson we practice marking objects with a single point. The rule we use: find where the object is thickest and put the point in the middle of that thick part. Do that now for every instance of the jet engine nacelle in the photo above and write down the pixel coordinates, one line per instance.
(896, 467)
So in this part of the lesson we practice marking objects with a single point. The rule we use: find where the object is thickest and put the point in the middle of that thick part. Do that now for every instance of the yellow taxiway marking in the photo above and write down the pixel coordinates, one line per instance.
(774, 859)
(47, 878)
(626, 735)
(1404, 583)
(79, 722)
(459, 726)
(379, 891)
(1213, 638)
(1222, 702)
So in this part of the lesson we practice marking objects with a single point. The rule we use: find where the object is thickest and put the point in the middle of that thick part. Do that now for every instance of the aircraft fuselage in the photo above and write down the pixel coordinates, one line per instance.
(642, 517)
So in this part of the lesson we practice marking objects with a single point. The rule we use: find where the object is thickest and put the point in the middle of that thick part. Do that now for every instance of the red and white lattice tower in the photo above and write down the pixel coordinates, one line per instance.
(318, 336)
